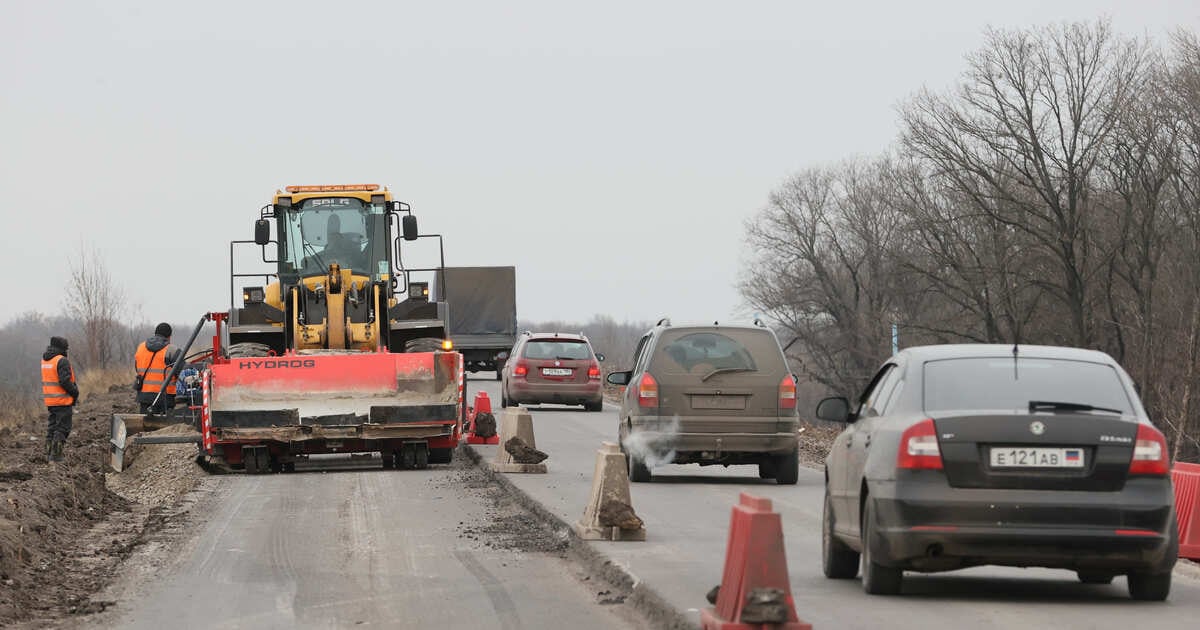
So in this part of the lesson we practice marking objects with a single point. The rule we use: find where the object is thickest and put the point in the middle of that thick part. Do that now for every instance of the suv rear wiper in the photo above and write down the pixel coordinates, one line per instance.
(1034, 405)
(725, 370)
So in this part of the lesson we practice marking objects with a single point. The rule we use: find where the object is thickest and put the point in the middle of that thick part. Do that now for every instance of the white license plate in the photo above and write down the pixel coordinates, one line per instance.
(556, 371)
(1036, 457)
(718, 402)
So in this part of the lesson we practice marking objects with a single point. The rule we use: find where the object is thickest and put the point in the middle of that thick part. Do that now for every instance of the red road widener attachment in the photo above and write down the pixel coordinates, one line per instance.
(312, 402)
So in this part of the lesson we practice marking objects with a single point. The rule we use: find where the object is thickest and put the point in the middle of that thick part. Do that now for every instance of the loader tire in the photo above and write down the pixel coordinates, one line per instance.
(423, 344)
(248, 349)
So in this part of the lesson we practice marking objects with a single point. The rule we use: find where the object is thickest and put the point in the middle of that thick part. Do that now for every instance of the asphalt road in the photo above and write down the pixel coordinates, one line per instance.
(350, 548)
(686, 510)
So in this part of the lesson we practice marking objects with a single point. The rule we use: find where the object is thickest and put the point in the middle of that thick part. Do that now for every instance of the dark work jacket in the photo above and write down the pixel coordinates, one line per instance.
(64, 370)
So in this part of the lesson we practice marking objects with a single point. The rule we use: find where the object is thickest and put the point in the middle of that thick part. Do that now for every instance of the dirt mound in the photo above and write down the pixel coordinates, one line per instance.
(45, 509)
(161, 473)
(815, 440)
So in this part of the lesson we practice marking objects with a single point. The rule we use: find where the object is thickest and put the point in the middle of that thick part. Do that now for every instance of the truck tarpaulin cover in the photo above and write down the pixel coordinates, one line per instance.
(482, 300)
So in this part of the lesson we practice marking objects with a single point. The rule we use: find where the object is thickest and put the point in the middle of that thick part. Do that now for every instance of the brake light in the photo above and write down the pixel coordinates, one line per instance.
(521, 369)
(919, 447)
(594, 372)
(787, 393)
(1149, 452)
(648, 391)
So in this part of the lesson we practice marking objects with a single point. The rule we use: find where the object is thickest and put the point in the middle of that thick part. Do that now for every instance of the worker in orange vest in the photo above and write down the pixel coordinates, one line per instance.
(60, 394)
(153, 361)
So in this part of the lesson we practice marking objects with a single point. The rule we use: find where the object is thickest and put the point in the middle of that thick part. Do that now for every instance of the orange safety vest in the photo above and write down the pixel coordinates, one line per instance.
(157, 371)
(52, 391)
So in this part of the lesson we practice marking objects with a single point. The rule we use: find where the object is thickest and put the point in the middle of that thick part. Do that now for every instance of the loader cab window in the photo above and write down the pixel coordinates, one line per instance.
(344, 230)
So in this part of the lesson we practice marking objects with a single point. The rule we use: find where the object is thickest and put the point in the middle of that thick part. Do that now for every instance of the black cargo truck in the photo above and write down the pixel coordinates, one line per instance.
(482, 305)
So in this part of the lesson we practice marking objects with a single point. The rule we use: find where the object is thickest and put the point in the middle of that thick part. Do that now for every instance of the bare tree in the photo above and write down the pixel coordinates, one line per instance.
(97, 303)
(1021, 137)
(822, 269)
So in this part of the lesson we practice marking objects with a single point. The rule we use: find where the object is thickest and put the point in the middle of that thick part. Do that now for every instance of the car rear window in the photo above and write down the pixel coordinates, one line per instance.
(557, 349)
(1000, 384)
(701, 352)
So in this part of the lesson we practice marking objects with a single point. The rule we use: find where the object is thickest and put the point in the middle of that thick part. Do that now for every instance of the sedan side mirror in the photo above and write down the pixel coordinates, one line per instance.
(600, 357)
(834, 410)
(619, 378)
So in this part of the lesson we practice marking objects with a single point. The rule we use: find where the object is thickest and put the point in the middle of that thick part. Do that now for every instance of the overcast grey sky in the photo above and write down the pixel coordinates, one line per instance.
(610, 151)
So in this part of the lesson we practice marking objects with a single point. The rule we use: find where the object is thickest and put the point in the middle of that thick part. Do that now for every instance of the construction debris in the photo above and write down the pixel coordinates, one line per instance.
(522, 453)
(617, 513)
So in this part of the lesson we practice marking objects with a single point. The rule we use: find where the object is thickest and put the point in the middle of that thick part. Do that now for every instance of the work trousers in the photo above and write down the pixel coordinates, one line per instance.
(58, 425)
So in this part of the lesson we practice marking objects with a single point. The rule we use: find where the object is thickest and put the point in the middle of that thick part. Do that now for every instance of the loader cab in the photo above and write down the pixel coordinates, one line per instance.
(327, 230)
(338, 257)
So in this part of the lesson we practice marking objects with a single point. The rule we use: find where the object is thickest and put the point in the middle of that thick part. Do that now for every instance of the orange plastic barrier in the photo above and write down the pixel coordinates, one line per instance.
(1187, 508)
(755, 581)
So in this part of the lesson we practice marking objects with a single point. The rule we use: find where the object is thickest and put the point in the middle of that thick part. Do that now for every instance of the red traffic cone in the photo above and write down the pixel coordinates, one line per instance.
(755, 591)
(481, 423)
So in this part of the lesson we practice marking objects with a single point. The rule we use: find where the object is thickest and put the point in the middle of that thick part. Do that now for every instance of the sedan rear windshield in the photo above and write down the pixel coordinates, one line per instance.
(557, 349)
(703, 352)
(1002, 384)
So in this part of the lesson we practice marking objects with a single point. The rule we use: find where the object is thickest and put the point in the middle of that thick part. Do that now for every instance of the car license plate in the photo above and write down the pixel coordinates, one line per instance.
(718, 402)
(1031, 457)
(556, 371)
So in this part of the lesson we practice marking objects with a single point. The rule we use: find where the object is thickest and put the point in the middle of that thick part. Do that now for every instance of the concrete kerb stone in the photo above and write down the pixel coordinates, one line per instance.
(644, 599)
(515, 422)
(610, 483)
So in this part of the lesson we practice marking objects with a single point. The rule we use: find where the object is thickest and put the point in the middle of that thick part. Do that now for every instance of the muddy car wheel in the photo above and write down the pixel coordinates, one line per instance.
(876, 578)
(1148, 587)
(787, 468)
(638, 471)
(838, 561)
(766, 470)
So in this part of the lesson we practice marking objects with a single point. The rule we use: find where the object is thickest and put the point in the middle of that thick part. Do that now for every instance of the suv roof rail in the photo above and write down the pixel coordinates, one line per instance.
(666, 321)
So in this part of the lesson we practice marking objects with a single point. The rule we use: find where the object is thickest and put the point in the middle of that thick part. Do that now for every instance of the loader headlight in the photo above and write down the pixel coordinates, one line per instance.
(447, 345)
(253, 295)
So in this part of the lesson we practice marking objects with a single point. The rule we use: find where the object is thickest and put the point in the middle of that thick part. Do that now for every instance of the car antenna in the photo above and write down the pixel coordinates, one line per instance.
(1016, 376)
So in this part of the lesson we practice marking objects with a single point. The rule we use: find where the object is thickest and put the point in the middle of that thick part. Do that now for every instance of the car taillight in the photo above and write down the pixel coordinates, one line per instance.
(919, 447)
(648, 391)
(594, 372)
(521, 369)
(1149, 452)
(787, 393)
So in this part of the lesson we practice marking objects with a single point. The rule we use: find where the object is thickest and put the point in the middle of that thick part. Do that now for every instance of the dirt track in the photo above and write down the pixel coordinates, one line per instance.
(62, 530)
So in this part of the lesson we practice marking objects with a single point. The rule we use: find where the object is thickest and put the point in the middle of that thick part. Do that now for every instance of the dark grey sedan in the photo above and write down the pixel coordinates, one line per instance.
(1027, 456)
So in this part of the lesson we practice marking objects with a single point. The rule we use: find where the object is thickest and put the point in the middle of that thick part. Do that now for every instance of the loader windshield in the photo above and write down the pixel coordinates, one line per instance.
(342, 230)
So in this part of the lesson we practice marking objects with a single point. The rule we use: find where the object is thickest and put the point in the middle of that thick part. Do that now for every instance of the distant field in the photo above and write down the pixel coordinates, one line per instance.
(19, 407)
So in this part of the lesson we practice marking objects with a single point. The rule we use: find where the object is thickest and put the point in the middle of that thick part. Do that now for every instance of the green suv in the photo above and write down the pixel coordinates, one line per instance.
(709, 395)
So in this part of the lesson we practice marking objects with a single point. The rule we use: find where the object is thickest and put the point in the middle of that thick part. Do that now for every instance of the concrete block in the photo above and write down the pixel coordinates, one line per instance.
(515, 422)
(610, 486)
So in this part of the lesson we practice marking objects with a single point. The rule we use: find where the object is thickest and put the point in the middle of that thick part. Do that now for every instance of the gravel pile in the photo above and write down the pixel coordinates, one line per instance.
(160, 473)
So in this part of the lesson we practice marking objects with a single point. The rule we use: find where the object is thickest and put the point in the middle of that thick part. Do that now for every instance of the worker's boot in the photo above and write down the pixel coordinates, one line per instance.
(49, 449)
(56, 451)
